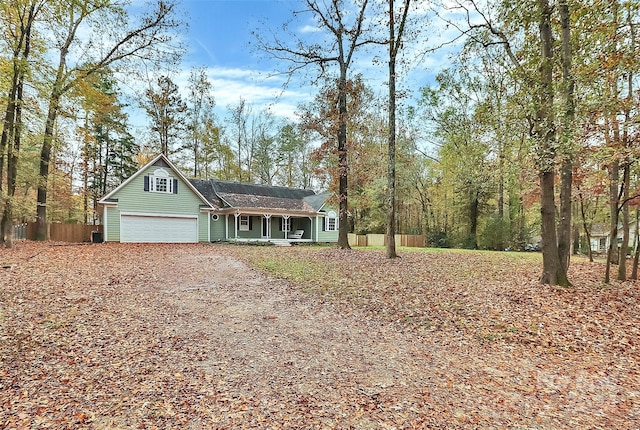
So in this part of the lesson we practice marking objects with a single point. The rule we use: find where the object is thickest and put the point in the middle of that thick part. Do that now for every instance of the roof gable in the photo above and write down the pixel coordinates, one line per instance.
(160, 161)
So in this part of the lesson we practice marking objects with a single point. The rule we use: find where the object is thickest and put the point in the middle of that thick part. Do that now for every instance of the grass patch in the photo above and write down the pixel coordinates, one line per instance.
(292, 269)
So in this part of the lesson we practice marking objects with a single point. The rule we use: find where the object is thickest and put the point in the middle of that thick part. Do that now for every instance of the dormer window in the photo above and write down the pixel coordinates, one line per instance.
(161, 182)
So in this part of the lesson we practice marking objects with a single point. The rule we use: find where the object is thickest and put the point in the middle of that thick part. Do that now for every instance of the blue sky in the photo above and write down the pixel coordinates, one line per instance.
(220, 39)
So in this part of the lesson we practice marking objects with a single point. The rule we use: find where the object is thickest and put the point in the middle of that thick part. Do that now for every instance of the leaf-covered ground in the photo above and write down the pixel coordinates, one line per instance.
(189, 336)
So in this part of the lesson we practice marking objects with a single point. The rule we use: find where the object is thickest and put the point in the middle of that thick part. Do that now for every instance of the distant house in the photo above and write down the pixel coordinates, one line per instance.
(159, 204)
(600, 237)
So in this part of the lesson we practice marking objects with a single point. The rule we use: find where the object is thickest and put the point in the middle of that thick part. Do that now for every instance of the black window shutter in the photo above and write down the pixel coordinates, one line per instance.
(175, 186)
(250, 222)
(281, 224)
(146, 183)
(324, 224)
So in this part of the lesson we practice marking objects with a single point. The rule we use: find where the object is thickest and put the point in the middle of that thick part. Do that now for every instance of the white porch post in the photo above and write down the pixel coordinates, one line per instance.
(286, 225)
(237, 215)
(267, 217)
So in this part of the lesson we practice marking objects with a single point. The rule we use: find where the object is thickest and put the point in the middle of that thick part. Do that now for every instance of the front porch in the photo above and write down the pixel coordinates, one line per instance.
(277, 242)
(279, 229)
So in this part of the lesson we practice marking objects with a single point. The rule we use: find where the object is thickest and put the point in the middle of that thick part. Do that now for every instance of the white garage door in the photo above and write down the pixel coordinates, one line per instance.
(161, 229)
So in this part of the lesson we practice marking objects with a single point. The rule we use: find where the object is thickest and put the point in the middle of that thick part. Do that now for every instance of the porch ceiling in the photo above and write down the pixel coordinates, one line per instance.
(266, 211)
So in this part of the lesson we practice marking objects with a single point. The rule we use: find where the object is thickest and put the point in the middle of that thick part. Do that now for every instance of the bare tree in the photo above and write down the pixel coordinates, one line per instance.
(395, 44)
(344, 37)
(239, 117)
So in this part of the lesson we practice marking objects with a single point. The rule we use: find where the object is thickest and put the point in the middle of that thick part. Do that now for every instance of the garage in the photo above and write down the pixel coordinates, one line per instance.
(158, 228)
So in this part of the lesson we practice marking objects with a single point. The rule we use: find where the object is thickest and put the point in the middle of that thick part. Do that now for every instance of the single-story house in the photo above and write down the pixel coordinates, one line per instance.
(601, 236)
(159, 204)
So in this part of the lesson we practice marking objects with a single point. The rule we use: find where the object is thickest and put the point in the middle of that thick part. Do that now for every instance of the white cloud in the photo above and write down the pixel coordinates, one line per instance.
(309, 29)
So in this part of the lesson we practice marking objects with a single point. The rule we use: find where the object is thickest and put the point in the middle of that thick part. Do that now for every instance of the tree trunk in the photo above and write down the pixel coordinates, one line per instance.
(587, 231)
(624, 246)
(343, 163)
(575, 230)
(614, 172)
(474, 214)
(5, 141)
(626, 176)
(12, 130)
(636, 247)
(45, 158)
(13, 155)
(553, 270)
(564, 225)
(568, 87)
(391, 161)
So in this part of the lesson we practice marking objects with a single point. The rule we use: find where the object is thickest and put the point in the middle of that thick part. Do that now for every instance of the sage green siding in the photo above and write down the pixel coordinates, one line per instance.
(217, 229)
(203, 226)
(254, 233)
(133, 198)
(326, 236)
(113, 224)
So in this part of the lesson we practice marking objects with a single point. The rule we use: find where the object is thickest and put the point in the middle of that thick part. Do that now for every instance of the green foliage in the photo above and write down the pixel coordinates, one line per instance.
(167, 111)
(438, 239)
(495, 235)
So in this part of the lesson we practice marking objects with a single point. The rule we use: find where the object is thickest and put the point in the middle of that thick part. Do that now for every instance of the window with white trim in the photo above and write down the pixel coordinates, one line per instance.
(331, 221)
(285, 224)
(161, 182)
(243, 224)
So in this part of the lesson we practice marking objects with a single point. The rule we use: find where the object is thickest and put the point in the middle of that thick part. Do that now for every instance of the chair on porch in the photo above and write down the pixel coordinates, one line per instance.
(296, 235)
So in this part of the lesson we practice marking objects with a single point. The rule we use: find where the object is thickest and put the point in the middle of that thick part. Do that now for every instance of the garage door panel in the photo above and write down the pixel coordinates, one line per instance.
(158, 229)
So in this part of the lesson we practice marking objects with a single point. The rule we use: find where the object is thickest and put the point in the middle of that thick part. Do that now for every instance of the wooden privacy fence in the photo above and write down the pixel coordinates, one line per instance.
(410, 240)
(72, 233)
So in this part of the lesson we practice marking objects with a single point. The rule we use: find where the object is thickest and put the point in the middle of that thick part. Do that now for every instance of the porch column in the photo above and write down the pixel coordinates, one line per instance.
(267, 217)
(286, 230)
(235, 225)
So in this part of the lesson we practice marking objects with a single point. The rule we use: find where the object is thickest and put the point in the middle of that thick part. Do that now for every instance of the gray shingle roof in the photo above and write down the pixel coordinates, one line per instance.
(250, 196)
(316, 201)
(208, 191)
